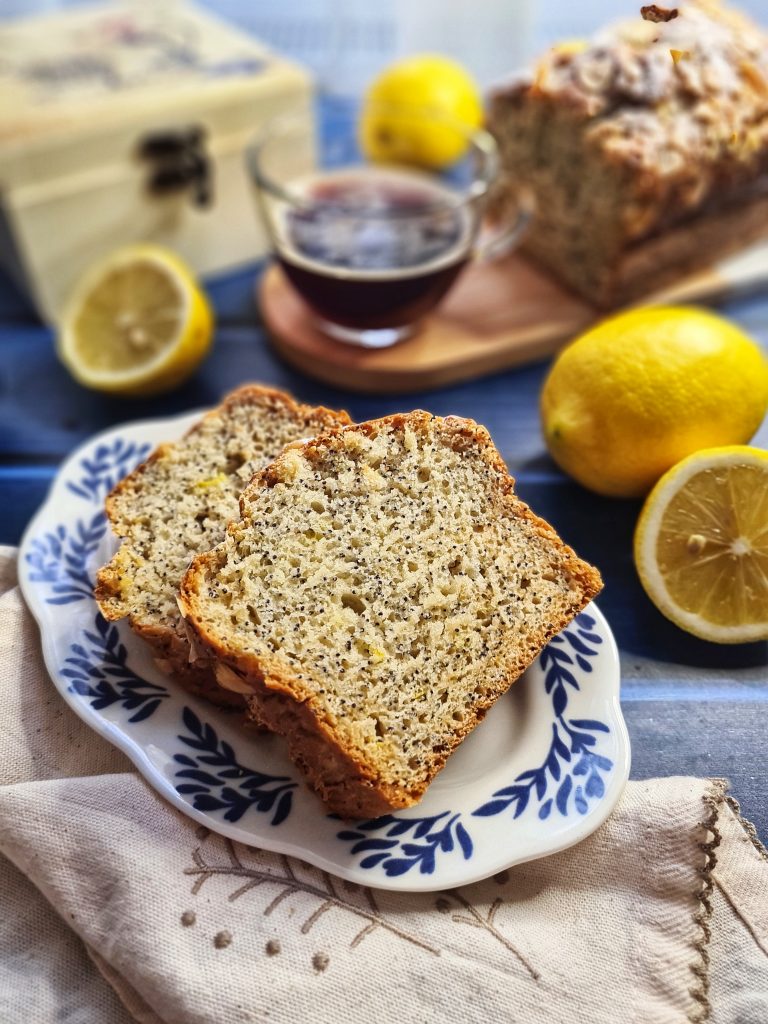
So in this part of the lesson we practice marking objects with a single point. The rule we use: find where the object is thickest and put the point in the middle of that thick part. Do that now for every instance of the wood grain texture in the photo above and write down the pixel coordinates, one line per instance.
(498, 315)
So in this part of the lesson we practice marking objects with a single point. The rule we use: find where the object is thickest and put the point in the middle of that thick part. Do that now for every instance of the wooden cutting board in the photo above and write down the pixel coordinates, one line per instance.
(498, 315)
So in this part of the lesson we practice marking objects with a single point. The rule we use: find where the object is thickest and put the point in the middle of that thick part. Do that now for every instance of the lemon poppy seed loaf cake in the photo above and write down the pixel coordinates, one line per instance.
(645, 147)
(382, 590)
(177, 503)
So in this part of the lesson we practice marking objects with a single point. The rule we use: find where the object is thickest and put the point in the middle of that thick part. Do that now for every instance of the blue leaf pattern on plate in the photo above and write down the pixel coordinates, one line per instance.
(438, 833)
(224, 784)
(61, 557)
(105, 466)
(97, 669)
(570, 737)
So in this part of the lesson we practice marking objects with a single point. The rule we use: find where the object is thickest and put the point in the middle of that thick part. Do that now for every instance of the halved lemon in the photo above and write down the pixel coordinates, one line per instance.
(137, 324)
(701, 545)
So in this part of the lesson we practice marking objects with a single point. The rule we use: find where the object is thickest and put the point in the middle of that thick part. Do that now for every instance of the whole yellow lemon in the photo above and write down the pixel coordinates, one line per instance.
(419, 111)
(640, 391)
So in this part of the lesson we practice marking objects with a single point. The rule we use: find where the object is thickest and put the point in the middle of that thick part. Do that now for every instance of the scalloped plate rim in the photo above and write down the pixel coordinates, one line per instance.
(137, 755)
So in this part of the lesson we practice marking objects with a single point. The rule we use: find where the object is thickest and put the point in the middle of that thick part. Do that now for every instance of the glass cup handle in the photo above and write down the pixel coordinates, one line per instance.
(505, 237)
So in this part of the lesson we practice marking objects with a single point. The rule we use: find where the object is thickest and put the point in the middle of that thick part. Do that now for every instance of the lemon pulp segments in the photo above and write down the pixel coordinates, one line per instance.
(702, 544)
(129, 318)
(712, 547)
(137, 324)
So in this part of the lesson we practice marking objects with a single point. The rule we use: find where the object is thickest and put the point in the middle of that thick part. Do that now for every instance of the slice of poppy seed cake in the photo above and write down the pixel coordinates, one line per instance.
(384, 588)
(177, 504)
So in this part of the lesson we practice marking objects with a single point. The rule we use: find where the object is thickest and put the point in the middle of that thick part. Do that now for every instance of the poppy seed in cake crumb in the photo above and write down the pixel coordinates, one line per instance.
(425, 599)
(177, 504)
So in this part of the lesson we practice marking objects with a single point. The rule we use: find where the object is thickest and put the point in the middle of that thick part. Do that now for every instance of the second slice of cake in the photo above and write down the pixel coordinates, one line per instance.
(384, 588)
(176, 504)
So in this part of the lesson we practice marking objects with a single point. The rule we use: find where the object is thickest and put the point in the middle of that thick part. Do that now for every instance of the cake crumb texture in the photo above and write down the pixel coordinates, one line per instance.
(645, 148)
(177, 503)
(383, 589)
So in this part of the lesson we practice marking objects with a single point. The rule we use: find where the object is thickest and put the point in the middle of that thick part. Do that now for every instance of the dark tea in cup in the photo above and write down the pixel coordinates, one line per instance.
(371, 248)
(374, 248)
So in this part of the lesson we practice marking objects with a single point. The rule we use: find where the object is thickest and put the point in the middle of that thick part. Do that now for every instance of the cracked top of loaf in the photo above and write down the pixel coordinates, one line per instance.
(659, 94)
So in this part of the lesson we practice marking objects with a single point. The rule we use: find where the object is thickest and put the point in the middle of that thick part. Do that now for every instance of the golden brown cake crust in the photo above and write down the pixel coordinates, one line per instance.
(643, 130)
(287, 705)
(172, 644)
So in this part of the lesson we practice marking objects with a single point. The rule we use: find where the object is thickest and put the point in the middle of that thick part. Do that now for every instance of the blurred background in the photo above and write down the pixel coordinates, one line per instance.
(345, 42)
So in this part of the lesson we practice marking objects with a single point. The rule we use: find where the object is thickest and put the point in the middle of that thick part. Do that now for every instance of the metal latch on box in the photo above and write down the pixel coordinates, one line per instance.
(178, 163)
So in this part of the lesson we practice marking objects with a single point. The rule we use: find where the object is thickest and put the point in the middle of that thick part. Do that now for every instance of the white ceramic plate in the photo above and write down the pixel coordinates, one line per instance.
(542, 772)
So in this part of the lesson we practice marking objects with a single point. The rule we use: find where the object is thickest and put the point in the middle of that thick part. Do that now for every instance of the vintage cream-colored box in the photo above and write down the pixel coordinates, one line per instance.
(130, 122)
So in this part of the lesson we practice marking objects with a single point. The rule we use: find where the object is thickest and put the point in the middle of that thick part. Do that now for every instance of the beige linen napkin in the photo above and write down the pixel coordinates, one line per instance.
(116, 908)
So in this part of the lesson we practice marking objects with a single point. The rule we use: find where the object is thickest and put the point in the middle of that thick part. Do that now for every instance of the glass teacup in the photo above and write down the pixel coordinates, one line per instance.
(373, 247)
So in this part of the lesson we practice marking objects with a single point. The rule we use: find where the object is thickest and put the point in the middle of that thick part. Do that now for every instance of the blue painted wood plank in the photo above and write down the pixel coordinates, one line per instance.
(44, 413)
(734, 691)
(22, 490)
(704, 739)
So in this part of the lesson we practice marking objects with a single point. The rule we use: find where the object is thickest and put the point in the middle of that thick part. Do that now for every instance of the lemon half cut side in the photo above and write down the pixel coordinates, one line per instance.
(138, 323)
(701, 544)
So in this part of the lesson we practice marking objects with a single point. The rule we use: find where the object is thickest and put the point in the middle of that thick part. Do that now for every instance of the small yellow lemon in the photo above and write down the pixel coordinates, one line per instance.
(138, 323)
(701, 544)
(420, 111)
(643, 389)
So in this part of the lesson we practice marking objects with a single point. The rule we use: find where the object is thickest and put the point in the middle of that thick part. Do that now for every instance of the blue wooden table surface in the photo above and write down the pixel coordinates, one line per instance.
(692, 707)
